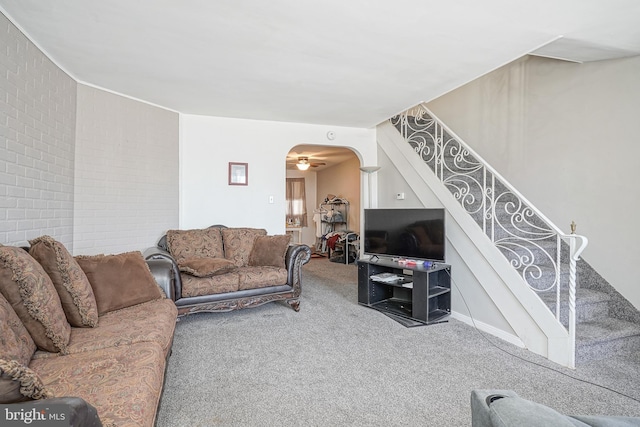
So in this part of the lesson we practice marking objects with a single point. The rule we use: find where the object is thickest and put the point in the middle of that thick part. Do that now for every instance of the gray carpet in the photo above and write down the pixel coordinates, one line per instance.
(336, 363)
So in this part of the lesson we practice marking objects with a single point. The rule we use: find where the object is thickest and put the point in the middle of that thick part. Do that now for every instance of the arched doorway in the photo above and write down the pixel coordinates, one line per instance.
(332, 172)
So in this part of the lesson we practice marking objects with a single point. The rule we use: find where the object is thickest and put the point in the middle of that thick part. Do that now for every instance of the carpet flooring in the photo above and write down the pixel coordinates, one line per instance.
(336, 363)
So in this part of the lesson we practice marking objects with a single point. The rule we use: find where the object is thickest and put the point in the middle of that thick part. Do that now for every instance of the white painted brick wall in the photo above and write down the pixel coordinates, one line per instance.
(126, 182)
(37, 118)
(104, 180)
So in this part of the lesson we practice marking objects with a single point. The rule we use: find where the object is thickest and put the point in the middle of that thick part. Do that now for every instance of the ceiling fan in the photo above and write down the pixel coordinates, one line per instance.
(304, 163)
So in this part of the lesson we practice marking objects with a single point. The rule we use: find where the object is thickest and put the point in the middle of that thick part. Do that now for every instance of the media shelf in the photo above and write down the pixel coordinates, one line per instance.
(416, 293)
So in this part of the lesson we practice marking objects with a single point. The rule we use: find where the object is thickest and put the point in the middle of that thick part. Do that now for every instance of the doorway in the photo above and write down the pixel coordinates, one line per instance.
(332, 172)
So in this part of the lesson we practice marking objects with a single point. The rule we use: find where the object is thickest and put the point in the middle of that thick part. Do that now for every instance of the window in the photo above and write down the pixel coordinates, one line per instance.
(296, 202)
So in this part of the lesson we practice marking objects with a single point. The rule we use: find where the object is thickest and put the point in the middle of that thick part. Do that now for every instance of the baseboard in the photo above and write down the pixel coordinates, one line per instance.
(485, 327)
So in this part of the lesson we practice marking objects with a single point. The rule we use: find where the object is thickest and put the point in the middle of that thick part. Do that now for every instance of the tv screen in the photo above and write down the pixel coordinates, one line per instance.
(405, 233)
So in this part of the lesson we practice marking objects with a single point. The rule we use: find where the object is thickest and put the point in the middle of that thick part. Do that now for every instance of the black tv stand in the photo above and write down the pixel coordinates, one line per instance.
(411, 294)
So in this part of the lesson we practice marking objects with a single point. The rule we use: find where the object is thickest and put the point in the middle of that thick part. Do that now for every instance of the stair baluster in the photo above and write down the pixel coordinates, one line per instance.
(534, 246)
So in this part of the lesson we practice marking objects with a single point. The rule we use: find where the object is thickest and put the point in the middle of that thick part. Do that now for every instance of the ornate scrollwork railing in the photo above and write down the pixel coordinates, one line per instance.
(543, 255)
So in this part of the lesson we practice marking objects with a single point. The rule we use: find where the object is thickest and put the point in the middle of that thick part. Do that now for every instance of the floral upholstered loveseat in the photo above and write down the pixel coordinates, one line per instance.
(222, 268)
(90, 334)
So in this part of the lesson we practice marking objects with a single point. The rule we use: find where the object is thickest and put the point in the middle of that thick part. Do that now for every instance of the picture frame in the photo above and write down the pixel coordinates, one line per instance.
(238, 173)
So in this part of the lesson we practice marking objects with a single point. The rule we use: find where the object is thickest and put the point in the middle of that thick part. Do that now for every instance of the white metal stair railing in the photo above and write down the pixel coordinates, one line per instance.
(543, 255)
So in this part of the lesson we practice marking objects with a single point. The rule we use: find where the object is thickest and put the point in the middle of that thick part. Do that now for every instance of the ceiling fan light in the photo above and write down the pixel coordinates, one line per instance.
(303, 163)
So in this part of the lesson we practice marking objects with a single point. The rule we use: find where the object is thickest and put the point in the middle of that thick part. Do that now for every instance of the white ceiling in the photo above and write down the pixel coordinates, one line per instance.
(337, 62)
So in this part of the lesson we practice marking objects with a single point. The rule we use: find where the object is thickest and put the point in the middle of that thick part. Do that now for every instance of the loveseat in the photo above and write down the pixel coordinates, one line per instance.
(87, 337)
(223, 268)
(504, 408)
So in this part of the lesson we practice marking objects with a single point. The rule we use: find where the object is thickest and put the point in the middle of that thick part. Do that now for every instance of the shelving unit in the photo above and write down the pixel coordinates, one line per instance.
(419, 294)
(334, 218)
(335, 215)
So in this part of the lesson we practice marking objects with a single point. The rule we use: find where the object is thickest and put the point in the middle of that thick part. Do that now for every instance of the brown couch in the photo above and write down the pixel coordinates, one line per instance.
(91, 334)
(223, 269)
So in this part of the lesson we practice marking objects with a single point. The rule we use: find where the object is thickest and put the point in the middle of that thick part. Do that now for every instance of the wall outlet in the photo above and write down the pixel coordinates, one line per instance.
(400, 196)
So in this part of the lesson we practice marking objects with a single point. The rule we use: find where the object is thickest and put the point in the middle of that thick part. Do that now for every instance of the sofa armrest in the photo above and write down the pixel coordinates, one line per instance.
(492, 408)
(297, 256)
(162, 271)
(172, 285)
(480, 400)
(77, 412)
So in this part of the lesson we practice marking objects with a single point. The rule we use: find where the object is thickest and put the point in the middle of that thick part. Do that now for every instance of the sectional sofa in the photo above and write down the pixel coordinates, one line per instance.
(88, 335)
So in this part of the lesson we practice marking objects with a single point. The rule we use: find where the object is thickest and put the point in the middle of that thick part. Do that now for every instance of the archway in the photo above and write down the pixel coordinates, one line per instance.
(332, 172)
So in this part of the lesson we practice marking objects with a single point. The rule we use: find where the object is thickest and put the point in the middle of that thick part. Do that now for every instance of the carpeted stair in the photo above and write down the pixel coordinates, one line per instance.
(606, 323)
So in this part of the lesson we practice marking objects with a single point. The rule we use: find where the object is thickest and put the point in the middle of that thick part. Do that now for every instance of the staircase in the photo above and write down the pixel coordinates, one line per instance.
(605, 323)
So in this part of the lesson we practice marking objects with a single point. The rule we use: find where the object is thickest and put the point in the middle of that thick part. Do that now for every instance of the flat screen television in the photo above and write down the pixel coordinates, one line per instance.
(416, 233)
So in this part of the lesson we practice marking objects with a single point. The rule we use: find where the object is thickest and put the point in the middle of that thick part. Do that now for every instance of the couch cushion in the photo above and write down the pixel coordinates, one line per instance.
(206, 267)
(197, 286)
(74, 289)
(29, 290)
(198, 243)
(119, 281)
(238, 243)
(124, 384)
(261, 277)
(270, 251)
(154, 322)
(19, 383)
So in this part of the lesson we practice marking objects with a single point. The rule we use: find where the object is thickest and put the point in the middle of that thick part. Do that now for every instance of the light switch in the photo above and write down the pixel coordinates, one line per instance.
(270, 199)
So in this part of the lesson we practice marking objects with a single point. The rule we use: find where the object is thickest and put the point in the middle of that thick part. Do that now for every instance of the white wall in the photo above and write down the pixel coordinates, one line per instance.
(390, 183)
(126, 184)
(566, 135)
(37, 122)
(208, 144)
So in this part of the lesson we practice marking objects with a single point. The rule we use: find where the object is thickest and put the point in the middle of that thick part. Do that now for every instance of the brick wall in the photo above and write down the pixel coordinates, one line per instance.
(37, 125)
(94, 170)
(126, 181)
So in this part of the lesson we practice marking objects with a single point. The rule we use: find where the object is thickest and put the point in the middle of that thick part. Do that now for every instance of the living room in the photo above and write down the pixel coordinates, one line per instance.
(108, 173)
(179, 162)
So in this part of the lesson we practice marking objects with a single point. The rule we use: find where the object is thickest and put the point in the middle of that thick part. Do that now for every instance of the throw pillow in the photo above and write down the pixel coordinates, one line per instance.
(206, 267)
(29, 290)
(16, 342)
(187, 244)
(74, 289)
(19, 383)
(119, 281)
(238, 243)
(270, 251)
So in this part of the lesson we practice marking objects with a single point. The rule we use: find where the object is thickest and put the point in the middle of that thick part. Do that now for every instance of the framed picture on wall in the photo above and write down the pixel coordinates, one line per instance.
(238, 173)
